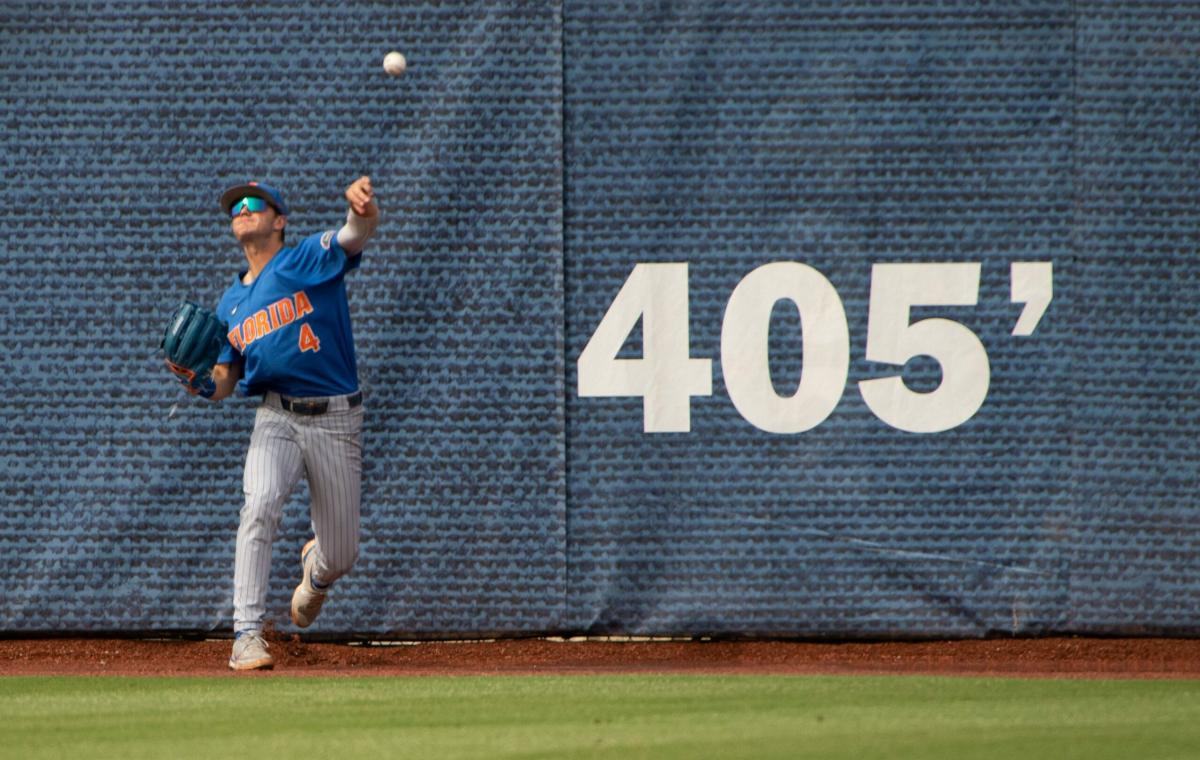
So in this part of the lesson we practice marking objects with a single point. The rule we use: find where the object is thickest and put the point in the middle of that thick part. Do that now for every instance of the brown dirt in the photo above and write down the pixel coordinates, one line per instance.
(1046, 657)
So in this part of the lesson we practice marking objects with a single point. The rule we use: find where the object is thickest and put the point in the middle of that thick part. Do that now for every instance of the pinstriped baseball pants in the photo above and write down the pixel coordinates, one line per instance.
(326, 449)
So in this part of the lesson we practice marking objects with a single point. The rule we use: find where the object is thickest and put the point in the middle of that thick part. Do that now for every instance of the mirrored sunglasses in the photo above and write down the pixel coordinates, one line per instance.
(252, 203)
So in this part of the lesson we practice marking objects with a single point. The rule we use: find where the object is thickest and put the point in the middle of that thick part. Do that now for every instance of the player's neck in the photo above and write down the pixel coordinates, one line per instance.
(259, 254)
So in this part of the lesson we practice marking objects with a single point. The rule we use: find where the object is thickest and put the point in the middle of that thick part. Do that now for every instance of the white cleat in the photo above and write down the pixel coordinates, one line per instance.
(306, 600)
(250, 653)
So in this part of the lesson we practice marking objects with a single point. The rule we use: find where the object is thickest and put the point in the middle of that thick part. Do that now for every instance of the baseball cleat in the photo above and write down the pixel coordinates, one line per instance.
(250, 653)
(307, 600)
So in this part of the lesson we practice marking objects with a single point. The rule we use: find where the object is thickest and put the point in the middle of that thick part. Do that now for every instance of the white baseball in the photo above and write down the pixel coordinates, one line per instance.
(394, 63)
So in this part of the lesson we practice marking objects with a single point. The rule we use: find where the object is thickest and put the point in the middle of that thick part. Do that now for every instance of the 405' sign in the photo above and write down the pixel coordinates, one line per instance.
(666, 376)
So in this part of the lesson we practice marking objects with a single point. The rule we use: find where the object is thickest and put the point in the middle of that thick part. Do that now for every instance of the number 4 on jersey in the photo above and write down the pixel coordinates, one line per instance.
(666, 377)
(308, 339)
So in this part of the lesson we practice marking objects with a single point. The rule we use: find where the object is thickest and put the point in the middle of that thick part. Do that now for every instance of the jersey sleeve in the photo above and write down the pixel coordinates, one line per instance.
(230, 353)
(317, 259)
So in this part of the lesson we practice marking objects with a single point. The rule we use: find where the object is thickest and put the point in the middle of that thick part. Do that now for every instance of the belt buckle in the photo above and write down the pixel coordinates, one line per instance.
(313, 407)
(309, 408)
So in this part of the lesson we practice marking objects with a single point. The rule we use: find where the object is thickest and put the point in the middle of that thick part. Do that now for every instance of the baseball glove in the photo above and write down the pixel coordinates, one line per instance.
(192, 343)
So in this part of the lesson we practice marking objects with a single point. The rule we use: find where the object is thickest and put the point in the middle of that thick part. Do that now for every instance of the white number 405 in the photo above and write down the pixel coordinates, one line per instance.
(666, 376)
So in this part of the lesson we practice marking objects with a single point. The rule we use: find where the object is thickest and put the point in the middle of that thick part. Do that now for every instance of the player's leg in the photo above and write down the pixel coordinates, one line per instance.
(332, 445)
(333, 459)
(274, 464)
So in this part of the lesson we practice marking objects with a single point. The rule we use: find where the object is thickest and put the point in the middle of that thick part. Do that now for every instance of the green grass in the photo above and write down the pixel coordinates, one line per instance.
(657, 716)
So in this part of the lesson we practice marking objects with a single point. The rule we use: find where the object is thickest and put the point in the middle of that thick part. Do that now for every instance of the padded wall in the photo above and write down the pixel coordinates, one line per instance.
(765, 211)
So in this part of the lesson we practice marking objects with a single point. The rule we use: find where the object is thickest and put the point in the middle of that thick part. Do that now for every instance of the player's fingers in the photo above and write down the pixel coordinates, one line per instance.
(362, 189)
(360, 195)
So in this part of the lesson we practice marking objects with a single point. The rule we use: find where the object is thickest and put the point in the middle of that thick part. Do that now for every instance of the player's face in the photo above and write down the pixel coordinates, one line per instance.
(256, 225)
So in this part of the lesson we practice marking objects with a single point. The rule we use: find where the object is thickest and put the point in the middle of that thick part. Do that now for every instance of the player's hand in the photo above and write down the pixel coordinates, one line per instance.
(362, 197)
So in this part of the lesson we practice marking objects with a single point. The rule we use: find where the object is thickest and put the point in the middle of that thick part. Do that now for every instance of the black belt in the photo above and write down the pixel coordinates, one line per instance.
(314, 407)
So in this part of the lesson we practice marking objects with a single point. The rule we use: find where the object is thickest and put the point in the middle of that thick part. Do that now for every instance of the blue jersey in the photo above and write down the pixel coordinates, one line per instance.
(291, 326)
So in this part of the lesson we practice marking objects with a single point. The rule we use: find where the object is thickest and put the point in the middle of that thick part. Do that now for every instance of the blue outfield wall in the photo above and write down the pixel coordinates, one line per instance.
(862, 319)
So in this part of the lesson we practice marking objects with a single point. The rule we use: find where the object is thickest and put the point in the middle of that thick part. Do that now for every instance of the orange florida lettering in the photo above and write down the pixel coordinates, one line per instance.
(235, 337)
(266, 321)
(262, 323)
(303, 305)
(286, 311)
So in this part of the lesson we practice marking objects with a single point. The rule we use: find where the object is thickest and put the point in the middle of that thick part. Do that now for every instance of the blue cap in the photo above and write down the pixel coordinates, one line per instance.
(256, 190)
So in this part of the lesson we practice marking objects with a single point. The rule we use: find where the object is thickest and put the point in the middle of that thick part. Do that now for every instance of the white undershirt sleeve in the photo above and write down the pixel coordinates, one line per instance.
(352, 237)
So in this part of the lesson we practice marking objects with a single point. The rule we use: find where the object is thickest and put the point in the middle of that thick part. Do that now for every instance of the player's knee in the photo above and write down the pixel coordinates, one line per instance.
(261, 507)
(263, 491)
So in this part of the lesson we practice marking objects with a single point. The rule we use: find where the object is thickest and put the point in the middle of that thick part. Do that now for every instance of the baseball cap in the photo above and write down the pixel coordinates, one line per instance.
(256, 190)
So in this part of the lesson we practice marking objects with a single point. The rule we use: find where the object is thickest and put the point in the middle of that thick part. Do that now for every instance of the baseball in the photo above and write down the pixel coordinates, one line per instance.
(394, 63)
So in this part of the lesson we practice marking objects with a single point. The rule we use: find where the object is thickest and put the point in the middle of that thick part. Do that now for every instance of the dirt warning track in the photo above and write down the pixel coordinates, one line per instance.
(1046, 657)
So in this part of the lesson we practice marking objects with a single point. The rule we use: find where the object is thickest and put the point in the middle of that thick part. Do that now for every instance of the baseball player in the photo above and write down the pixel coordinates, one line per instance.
(290, 342)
